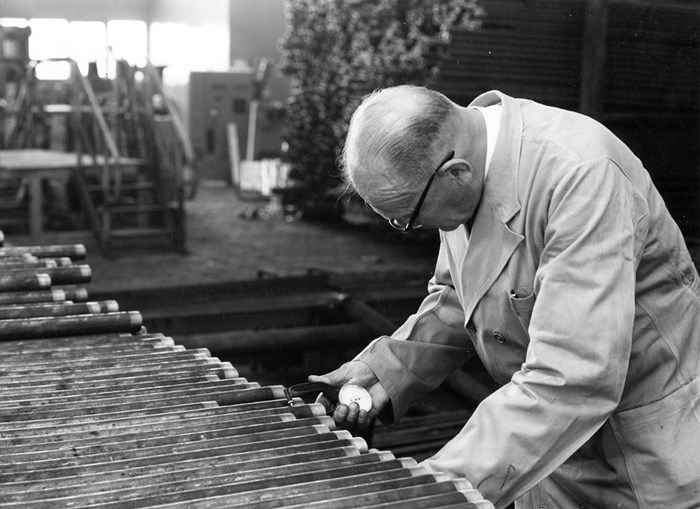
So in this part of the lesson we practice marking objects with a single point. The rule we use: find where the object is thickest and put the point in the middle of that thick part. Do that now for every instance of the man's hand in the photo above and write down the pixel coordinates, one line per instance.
(358, 373)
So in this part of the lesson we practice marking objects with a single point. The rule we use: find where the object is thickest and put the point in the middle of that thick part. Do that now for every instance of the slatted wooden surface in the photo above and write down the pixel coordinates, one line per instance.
(114, 416)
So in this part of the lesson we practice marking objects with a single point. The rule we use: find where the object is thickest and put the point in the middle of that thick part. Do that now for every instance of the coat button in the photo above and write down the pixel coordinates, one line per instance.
(499, 337)
(471, 327)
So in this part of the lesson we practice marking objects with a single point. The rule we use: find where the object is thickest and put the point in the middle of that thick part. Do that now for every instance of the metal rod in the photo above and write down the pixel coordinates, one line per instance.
(64, 275)
(11, 282)
(42, 327)
(72, 251)
(63, 309)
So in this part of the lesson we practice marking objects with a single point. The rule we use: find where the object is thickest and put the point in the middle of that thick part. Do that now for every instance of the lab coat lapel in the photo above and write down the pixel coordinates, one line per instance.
(492, 242)
(491, 245)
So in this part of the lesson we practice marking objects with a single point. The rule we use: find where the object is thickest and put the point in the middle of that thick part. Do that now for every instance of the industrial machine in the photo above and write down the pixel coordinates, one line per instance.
(112, 154)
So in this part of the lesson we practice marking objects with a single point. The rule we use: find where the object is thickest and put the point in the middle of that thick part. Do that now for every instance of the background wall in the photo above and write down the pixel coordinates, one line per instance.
(76, 10)
(255, 27)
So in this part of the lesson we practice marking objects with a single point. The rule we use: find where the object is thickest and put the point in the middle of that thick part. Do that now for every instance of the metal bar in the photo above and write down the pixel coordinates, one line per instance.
(217, 418)
(72, 251)
(223, 370)
(12, 283)
(52, 295)
(117, 424)
(90, 360)
(29, 346)
(64, 275)
(80, 404)
(43, 327)
(67, 308)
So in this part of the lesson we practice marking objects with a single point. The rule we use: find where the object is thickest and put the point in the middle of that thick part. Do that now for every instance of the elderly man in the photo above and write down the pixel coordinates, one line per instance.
(560, 266)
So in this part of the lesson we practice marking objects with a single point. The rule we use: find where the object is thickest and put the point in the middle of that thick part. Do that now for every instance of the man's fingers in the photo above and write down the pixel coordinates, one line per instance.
(353, 412)
(351, 417)
(351, 372)
(340, 414)
(362, 419)
(336, 378)
(320, 378)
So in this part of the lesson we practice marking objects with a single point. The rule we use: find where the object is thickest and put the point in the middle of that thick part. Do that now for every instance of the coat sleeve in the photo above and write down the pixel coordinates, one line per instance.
(430, 345)
(580, 342)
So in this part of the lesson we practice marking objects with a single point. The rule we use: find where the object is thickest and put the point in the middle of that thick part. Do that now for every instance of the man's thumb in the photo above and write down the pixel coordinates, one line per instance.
(334, 378)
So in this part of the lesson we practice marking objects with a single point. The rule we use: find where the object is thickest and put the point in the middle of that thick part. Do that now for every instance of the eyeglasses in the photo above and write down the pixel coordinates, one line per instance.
(412, 224)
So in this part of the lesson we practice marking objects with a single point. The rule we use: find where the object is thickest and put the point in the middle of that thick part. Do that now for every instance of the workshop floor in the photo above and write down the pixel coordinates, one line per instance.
(234, 239)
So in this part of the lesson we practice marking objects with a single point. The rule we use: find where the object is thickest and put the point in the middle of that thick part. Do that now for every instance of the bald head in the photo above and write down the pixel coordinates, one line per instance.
(392, 140)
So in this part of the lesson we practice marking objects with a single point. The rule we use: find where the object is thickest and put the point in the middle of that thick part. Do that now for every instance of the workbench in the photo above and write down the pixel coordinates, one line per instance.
(34, 165)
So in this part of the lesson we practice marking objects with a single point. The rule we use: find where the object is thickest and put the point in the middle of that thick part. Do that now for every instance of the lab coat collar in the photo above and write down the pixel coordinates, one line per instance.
(500, 189)
(491, 242)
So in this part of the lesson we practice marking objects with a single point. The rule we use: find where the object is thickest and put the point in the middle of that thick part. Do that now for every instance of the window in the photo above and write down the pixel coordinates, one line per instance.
(87, 42)
(127, 40)
(49, 39)
(84, 42)
(14, 22)
(183, 48)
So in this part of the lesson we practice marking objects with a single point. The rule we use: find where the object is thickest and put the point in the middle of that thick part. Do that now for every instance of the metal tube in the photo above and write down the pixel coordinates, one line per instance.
(28, 347)
(74, 251)
(52, 295)
(162, 356)
(62, 309)
(100, 440)
(56, 403)
(117, 424)
(68, 275)
(139, 374)
(43, 327)
(12, 283)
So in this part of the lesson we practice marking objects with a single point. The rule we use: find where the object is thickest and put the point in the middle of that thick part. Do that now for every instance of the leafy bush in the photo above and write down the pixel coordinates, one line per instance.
(335, 51)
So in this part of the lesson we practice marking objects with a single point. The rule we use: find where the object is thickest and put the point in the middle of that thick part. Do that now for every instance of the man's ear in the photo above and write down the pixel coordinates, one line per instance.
(460, 170)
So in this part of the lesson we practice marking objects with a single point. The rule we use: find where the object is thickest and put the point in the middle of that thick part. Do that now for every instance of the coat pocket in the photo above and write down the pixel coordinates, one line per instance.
(522, 303)
(661, 445)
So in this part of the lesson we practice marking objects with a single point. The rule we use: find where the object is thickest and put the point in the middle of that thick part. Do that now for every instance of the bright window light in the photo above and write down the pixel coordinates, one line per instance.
(182, 49)
(170, 46)
(49, 39)
(128, 40)
(87, 42)
(212, 51)
(169, 42)
(53, 70)
(14, 22)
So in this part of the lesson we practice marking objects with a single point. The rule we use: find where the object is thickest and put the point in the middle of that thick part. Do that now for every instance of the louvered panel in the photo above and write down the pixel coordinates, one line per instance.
(523, 49)
(653, 59)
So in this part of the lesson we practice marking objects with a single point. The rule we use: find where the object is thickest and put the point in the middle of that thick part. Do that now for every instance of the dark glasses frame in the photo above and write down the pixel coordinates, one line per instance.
(411, 224)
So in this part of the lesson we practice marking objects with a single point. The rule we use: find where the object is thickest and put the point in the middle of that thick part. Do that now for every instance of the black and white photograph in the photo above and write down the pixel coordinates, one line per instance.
(335, 254)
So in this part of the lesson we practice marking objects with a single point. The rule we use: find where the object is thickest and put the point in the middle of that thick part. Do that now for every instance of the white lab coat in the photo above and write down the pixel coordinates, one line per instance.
(577, 292)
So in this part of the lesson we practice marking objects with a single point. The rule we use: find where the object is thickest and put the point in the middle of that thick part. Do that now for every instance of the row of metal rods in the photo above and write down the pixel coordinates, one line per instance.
(97, 412)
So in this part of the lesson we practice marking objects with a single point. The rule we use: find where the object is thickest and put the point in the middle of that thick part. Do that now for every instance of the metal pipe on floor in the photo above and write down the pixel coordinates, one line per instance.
(239, 342)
